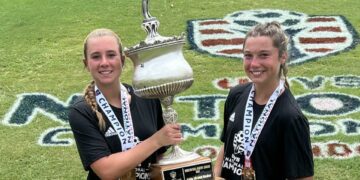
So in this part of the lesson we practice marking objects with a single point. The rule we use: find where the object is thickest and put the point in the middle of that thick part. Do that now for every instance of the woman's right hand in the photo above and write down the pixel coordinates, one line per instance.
(170, 134)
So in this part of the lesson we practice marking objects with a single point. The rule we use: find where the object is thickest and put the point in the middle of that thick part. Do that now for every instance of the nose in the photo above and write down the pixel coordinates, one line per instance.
(254, 62)
(104, 61)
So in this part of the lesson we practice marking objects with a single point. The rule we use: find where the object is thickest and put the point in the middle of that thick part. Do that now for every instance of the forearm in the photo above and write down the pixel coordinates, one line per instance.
(218, 163)
(117, 164)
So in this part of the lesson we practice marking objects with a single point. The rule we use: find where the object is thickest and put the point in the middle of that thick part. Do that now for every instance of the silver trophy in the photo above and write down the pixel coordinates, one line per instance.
(161, 71)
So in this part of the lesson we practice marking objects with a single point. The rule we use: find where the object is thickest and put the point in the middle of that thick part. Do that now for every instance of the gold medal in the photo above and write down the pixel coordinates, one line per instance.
(248, 174)
(129, 175)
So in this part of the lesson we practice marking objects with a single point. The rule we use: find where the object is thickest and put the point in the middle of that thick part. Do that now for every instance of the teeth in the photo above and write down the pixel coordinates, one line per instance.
(105, 72)
(256, 72)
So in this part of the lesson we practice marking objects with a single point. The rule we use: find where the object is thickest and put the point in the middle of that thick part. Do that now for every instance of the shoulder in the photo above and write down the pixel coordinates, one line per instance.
(237, 95)
(80, 104)
(238, 91)
(129, 88)
(289, 110)
(80, 112)
(287, 102)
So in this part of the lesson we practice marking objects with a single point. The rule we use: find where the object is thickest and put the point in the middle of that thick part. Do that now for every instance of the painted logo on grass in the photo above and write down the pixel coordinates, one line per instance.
(322, 108)
(311, 36)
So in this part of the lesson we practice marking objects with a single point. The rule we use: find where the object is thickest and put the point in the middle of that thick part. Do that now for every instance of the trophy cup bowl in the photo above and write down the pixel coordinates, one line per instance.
(161, 71)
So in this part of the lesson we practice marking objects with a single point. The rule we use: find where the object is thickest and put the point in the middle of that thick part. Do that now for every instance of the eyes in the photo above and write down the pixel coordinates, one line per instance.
(261, 55)
(111, 55)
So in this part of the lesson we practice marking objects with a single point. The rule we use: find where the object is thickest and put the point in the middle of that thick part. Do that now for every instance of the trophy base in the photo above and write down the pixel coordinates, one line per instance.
(177, 155)
(199, 168)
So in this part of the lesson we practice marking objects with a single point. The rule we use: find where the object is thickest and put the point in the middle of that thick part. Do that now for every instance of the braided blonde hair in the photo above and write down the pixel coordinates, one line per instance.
(89, 92)
(280, 41)
(89, 96)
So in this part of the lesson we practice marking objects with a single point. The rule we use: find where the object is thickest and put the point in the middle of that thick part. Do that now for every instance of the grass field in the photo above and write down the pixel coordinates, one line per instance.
(41, 53)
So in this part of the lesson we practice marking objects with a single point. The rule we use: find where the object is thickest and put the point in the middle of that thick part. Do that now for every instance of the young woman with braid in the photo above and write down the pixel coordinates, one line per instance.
(265, 134)
(118, 135)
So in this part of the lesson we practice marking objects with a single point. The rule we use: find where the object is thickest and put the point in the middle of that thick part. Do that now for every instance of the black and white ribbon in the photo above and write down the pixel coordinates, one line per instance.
(126, 134)
(251, 136)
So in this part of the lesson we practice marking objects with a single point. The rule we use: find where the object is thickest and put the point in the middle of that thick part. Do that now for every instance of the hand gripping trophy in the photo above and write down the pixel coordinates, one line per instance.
(161, 71)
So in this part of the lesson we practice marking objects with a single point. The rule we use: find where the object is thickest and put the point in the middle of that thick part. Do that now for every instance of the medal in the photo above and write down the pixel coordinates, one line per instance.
(248, 174)
(129, 175)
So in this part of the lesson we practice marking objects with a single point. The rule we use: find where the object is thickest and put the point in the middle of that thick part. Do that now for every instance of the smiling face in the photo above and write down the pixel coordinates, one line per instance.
(103, 59)
(265, 54)
(262, 61)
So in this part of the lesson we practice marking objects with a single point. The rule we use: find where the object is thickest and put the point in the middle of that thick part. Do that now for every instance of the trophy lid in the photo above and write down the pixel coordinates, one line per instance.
(154, 39)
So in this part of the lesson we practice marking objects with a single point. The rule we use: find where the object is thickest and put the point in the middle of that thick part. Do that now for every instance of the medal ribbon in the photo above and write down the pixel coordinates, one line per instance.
(251, 137)
(126, 134)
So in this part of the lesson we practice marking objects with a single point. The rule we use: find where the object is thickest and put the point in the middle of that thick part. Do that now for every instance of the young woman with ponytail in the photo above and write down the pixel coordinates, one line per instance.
(118, 135)
(265, 134)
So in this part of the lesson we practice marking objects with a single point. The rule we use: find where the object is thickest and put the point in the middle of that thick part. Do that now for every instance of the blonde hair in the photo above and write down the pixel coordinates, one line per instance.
(279, 38)
(89, 96)
(100, 33)
(89, 92)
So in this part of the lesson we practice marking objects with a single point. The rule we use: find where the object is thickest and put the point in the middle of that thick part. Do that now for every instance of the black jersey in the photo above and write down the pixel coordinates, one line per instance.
(283, 149)
(93, 144)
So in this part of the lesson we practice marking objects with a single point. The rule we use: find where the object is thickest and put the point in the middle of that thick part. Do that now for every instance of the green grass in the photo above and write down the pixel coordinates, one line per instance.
(41, 51)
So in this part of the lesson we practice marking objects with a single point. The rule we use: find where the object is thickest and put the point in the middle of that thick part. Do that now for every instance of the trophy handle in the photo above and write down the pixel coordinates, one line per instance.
(145, 9)
(150, 24)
